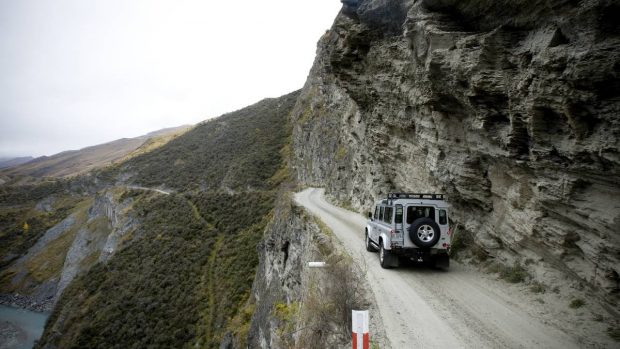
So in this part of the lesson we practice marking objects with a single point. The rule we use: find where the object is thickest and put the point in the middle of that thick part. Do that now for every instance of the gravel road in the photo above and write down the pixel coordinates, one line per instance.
(426, 308)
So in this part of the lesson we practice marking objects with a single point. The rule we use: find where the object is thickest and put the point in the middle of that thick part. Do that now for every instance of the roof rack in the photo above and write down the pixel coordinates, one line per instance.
(428, 196)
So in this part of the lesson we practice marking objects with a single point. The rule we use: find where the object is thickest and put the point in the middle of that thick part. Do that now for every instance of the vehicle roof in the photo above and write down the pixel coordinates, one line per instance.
(404, 201)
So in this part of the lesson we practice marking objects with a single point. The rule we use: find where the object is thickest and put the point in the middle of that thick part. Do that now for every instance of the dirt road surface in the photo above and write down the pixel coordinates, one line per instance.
(426, 308)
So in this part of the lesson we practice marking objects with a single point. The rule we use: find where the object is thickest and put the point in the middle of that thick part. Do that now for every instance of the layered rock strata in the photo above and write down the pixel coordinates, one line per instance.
(511, 108)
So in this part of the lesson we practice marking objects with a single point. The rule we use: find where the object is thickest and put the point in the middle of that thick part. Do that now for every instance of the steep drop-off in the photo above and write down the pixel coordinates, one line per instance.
(131, 265)
(512, 108)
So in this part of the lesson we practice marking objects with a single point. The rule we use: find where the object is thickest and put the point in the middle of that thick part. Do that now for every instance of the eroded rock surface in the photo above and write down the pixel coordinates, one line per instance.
(284, 254)
(512, 108)
(89, 235)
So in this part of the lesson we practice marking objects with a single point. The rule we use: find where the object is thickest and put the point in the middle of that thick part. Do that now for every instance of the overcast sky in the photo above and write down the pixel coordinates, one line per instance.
(75, 73)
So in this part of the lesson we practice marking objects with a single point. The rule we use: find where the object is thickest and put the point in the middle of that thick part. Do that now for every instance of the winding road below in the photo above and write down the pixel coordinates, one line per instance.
(148, 189)
(426, 308)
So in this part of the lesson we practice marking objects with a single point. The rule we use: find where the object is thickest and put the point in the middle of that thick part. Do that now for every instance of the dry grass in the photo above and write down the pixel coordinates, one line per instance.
(322, 317)
(154, 143)
(326, 312)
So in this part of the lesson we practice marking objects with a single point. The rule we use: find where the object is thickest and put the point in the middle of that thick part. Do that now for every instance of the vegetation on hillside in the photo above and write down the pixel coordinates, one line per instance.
(185, 277)
(147, 294)
(237, 151)
(18, 210)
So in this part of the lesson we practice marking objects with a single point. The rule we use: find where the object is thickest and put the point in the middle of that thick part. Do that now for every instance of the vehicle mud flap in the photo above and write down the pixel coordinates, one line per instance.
(387, 259)
(442, 261)
(395, 262)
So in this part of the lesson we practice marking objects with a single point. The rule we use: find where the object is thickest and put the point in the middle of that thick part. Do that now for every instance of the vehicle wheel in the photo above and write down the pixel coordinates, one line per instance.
(424, 232)
(385, 257)
(369, 246)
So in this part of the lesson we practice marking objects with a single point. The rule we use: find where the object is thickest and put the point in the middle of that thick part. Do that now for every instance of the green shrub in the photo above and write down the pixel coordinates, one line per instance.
(537, 287)
(461, 240)
(614, 332)
(577, 303)
(514, 274)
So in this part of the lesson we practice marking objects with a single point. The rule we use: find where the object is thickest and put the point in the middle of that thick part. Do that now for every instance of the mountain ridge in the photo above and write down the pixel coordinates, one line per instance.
(7, 162)
(74, 162)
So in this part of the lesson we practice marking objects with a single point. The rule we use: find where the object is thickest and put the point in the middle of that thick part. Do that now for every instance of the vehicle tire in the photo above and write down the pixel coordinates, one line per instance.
(385, 257)
(424, 232)
(369, 246)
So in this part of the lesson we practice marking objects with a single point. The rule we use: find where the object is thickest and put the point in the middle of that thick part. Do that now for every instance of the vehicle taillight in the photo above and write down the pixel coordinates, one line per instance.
(392, 232)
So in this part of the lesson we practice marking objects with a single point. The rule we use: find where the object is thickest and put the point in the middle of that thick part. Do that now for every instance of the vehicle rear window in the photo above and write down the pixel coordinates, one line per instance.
(381, 213)
(376, 212)
(399, 214)
(443, 217)
(415, 212)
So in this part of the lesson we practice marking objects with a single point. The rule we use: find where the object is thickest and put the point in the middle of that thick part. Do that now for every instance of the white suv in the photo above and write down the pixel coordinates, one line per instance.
(410, 225)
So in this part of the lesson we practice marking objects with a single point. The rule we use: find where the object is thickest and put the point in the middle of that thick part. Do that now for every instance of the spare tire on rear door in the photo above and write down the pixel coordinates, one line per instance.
(424, 232)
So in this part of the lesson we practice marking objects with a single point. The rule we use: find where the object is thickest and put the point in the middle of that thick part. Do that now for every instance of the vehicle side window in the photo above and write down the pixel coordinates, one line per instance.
(381, 213)
(387, 217)
(399, 214)
(443, 217)
(376, 212)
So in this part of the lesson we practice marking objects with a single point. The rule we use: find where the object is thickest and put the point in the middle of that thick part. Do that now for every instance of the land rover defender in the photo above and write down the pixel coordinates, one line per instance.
(410, 226)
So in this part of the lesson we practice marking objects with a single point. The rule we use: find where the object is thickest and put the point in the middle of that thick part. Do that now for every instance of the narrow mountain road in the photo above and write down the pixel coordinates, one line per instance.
(425, 308)
(148, 189)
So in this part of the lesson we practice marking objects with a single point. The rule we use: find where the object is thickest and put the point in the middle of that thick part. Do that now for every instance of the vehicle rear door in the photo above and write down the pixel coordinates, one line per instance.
(398, 225)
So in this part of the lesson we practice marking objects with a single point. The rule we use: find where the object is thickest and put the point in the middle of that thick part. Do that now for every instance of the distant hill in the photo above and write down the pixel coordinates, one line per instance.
(73, 162)
(11, 162)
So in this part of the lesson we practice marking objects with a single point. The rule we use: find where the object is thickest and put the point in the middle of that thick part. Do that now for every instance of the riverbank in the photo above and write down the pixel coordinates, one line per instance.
(26, 302)
(20, 328)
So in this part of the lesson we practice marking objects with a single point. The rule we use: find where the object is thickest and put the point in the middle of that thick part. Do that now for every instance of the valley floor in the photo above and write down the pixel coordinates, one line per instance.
(460, 307)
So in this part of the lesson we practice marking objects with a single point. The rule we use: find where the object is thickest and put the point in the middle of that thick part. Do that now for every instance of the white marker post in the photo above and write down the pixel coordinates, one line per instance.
(317, 264)
(360, 329)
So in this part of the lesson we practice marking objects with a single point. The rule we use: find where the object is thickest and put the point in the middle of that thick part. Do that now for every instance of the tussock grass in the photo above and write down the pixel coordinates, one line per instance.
(614, 332)
(513, 274)
(538, 287)
(576, 303)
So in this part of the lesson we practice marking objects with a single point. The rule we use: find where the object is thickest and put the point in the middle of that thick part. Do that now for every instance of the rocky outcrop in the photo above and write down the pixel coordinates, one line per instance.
(512, 108)
(33, 285)
(296, 306)
(89, 244)
(91, 234)
(284, 254)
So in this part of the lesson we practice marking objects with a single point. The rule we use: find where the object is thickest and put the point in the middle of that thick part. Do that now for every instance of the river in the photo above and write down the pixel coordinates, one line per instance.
(19, 328)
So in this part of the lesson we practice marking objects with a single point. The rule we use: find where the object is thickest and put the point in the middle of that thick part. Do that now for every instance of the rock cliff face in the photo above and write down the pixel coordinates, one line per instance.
(512, 108)
(92, 233)
(295, 306)
(284, 252)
